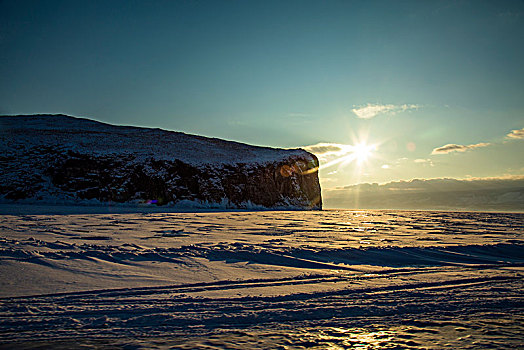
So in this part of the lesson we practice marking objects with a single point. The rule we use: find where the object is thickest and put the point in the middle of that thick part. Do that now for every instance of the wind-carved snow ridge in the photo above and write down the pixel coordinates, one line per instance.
(62, 160)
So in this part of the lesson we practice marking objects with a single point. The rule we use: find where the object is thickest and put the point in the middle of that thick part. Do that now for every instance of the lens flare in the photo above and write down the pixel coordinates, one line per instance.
(362, 152)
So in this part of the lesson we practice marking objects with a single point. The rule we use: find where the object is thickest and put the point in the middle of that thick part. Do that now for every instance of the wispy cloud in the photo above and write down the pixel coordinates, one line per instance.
(425, 162)
(327, 153)
(330, 154)
(372, 110)
(458, 148)
(324, 148)
(516, 134)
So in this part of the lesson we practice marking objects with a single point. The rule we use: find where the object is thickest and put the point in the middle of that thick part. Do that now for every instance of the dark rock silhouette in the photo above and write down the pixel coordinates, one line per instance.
(57, 158)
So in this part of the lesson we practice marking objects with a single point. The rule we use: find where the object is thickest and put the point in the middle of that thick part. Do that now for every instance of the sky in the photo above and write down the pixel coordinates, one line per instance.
(380, 91)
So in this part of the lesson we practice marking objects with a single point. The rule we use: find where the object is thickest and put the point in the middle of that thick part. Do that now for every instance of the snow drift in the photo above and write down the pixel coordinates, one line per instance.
(63, 159)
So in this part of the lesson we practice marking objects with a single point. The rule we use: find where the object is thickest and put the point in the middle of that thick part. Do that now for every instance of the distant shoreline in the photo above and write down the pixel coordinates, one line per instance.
(79, 209)
(118, 208)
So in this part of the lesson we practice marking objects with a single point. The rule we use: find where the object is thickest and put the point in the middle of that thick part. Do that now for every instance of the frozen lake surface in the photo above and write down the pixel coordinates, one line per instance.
(326, 279)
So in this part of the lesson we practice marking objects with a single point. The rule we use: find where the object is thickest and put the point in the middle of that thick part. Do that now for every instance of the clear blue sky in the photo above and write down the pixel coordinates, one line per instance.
(286, 74)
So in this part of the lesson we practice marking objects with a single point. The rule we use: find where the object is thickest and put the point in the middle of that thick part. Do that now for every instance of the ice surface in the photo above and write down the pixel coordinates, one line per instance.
(340, 279)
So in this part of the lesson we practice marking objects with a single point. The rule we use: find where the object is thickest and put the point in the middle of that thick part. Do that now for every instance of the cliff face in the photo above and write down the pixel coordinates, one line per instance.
(61, 159)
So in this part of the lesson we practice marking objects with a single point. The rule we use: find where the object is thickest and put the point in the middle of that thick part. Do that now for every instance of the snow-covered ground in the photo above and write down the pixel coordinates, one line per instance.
(324, 279)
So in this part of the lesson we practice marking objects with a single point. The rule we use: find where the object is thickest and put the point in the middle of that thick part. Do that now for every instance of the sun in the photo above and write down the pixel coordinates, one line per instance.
(342, 155)
(361, 152)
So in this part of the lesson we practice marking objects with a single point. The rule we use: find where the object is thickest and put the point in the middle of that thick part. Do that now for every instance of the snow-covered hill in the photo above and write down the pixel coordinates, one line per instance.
(63, 159)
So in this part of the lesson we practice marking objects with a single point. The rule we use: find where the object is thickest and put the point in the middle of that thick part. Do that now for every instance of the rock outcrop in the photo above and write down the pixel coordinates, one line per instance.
(62, 159)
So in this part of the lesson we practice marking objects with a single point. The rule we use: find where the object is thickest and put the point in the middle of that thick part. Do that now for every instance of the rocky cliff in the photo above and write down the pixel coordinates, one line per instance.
(62, 159)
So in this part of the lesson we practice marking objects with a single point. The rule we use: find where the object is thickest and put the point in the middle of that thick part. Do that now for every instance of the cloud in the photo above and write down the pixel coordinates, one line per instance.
(497, 178)
(458, 148)
(516, 134)
(442, 184)
(330, 153)
(424, 162)
(488, 193)
(323, 148)
(372, 110)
